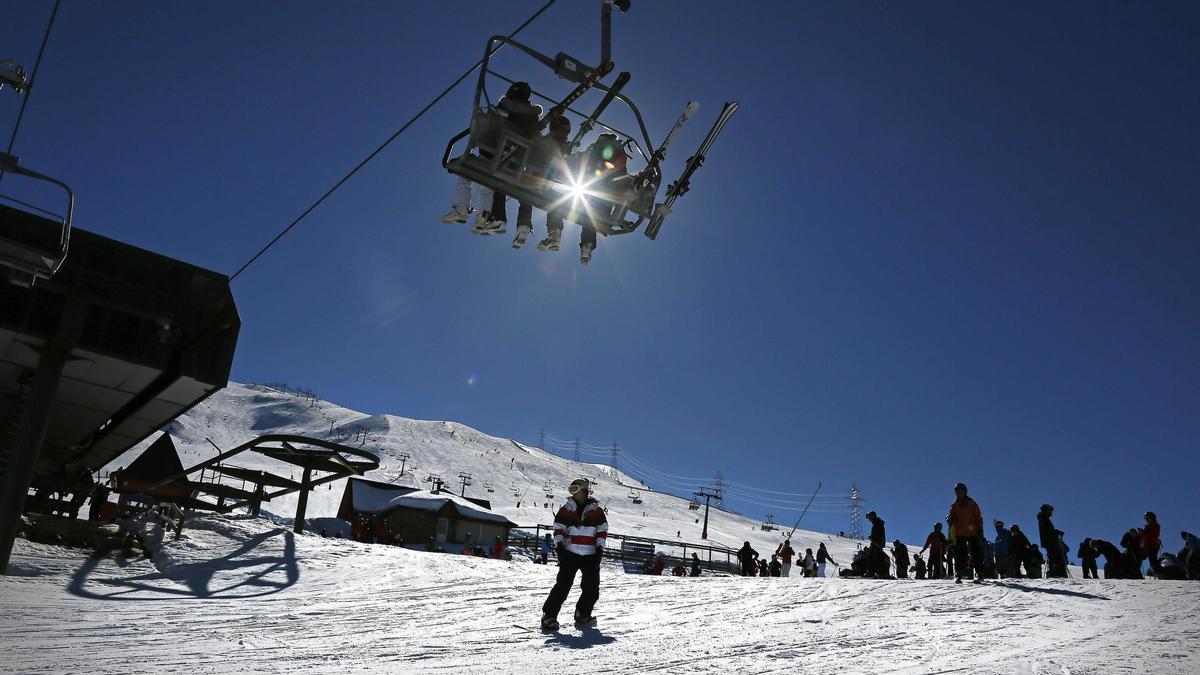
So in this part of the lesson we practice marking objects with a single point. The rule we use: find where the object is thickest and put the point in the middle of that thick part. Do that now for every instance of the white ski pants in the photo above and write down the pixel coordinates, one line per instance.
(787, 569)
(463, 190)
(821, 570)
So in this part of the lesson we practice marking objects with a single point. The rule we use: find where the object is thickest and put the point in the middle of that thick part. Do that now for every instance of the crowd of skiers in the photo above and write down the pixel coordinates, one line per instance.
(780, 565)
(964, 551)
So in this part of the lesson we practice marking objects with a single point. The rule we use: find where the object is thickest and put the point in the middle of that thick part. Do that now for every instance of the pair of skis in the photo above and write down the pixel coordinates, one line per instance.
(682, 184)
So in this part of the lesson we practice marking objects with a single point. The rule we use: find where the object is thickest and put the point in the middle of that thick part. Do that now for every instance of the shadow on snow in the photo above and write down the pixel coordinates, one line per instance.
(263, 575)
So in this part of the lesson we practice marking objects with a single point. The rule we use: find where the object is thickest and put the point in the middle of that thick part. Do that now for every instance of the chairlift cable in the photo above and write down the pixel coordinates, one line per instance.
(29, 87)
(388, 142)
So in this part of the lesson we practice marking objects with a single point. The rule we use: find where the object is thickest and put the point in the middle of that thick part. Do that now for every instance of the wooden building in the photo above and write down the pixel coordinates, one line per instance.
(416, 516)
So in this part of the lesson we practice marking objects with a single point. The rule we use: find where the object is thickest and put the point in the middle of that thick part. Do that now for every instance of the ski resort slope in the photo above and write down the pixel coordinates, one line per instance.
(239, 594)
(516, 473)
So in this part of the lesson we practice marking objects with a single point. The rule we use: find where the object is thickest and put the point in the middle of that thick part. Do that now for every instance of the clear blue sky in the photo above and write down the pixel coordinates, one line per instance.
(941, 241)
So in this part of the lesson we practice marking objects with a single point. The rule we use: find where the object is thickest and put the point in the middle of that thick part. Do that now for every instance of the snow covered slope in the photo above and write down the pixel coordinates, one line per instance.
(239, 594)
(517, 473)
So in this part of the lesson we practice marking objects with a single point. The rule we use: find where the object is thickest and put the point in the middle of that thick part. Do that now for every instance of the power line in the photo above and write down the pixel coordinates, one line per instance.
(32, 76)
(386, 143)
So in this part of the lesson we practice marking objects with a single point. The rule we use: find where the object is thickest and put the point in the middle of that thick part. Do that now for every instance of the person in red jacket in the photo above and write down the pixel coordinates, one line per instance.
(580, 533)
(785, 553)
(936, 543)
(1152, 542)
(967, 523)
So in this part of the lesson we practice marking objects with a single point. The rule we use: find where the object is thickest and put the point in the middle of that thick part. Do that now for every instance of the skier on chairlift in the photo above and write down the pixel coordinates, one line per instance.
(547, 155)
(512, 111)
(604, 170)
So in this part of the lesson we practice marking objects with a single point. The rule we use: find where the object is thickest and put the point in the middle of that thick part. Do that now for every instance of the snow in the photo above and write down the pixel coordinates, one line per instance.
(241, 594)
(244, 594)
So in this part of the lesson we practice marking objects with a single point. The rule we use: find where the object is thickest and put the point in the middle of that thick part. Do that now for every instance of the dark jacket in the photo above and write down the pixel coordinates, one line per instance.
(1046, 532)
(877, 532)
(1105, 548)
(900, 553)
(746, 554)
(823, 555)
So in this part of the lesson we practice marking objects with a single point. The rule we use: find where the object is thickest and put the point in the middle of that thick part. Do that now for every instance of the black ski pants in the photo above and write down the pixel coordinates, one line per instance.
(589, 586)
(1056, 561)
(936, 569)
(1089, 569)
(973, 547)
(901, 571)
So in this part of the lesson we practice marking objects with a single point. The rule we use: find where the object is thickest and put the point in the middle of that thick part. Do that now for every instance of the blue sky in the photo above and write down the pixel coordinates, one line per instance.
(940, 242)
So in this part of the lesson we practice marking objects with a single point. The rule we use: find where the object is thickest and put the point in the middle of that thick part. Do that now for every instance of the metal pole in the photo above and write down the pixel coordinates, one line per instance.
(810, 501)
(22, 456)
(305, 485)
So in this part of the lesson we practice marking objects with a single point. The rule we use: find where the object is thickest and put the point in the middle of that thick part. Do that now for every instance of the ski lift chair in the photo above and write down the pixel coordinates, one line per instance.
(505, 165)
(32, 246)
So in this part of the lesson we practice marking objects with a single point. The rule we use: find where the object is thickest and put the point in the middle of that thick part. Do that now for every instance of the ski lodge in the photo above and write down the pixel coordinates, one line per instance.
(416, 516)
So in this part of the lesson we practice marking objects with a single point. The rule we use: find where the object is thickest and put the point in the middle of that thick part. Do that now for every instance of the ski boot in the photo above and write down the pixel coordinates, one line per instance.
(585, 253)
(458, 214)
(549, 623)
(495, 227)
(551, 242)
(523, 232)
(584, 621)
(482, 220)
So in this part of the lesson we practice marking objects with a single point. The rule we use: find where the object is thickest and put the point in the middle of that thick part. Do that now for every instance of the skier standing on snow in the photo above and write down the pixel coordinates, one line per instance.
(1087, 558)
(1001, 548)
(580, 533)
(878, 537)
(1131, 556)
(822, 558)
(936, 543)
(746, 557)
(695, 565)
(1189, 556)
(1057, 562)
(1018, 544)
(1152, 541)
(967, 522)
(1112, 557)
(547, 542)
(763, 569)
(1034, 562)
(809, 564)
(775, 567)
(900, 555)
(918, 566)
(785, 553)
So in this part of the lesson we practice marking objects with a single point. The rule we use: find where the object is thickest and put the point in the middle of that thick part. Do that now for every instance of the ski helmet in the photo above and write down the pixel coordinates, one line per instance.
(960, 486)
(577, 485)
(1047, 507)
(1150, 516)
(560, 122)
(519, 91)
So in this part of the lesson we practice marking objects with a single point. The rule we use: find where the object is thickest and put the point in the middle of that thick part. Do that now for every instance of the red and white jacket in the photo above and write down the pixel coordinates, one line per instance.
(582, 529)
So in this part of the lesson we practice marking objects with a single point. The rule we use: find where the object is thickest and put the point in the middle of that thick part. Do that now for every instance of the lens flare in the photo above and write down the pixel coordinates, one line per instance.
(472, 379)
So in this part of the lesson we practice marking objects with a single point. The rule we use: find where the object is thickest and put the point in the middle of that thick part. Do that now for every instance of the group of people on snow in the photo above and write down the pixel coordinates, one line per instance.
(780, 564)
(602, 167)
(581, 532)
(965, 552)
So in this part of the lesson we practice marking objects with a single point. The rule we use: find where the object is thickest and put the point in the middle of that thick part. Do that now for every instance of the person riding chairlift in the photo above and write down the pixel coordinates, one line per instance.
(604, 170)
(512, 112)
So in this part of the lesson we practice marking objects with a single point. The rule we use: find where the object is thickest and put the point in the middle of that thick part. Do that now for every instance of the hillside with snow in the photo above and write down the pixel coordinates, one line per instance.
(238, 593)
(515, 473)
